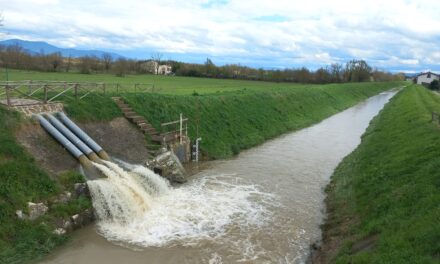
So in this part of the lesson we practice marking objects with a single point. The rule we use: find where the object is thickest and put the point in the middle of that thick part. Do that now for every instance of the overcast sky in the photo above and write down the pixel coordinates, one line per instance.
(390, 34)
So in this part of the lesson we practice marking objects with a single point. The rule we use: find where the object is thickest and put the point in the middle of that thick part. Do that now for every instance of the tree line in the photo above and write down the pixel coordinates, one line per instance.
(14, 56)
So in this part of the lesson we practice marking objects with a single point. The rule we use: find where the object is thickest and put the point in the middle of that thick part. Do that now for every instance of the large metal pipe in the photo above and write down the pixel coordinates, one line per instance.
(69, 135)
(83, 136)
(64, 141)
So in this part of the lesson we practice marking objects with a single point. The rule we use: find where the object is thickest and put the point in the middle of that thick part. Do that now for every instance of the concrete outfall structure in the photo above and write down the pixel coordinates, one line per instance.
(167, 164)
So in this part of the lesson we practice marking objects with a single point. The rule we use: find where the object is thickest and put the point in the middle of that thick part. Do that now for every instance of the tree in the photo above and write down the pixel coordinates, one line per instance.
(434, 85)
(357, 71)
(107, 60)
(85, 64)
(322, 75)
(55, 60)
(68, 63)
(337, 72)
(157, 57)
(120, 67)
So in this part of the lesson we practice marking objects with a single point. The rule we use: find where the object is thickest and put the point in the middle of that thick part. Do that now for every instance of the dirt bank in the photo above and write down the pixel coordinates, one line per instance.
(118, 137)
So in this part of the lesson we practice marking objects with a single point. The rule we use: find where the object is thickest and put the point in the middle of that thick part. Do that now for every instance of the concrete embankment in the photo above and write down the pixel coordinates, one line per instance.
(383, 199)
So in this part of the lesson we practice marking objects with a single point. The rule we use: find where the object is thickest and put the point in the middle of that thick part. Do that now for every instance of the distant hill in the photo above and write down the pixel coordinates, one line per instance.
(34, 47)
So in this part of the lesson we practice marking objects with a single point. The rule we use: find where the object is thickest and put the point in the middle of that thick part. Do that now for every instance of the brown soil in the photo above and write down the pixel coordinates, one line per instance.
(118, 137)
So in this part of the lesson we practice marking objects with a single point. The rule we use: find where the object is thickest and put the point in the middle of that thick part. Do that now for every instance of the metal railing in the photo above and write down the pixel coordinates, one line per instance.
(177, 129)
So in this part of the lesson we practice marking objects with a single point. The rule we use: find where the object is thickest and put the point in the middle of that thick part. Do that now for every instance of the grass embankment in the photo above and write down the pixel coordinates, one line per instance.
(21, 181)
(384, 199)
(232, 121)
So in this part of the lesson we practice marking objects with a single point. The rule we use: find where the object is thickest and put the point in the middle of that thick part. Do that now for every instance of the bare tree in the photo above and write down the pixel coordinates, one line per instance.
(107, 60)
(157, 57)
(120, 67)
(55, 60)
(68, 63)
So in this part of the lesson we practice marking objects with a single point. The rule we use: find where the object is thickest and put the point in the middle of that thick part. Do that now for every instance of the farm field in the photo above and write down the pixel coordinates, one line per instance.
(162, 84)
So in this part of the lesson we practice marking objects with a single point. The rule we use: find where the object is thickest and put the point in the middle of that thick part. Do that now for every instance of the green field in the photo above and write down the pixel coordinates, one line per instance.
(162, 84)
(384, 199)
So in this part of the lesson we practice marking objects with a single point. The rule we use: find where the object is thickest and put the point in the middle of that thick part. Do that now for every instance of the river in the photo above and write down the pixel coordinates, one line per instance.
(263, 206)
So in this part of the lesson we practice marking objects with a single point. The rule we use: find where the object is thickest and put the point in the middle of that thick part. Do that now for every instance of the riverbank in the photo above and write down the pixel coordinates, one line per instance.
(383, 199)
(233, 121)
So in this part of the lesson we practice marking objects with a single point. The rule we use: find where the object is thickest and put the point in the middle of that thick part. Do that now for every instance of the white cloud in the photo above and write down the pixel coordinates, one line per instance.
(391, 33)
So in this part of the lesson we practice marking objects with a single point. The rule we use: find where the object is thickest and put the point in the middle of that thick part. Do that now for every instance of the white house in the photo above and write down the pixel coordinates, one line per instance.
(164, 69)
(426, 78)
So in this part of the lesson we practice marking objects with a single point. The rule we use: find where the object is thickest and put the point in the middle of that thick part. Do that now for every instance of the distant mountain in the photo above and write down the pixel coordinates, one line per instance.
(34, 47)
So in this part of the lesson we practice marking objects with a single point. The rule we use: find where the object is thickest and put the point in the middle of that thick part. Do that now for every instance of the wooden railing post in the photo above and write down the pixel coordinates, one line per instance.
(45, 94)
(8, 98)
(117, 88)
(75, 87)
(103, 87)
(30, 86)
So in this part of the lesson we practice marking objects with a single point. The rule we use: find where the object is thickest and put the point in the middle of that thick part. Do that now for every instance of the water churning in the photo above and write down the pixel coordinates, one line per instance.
(136, 207)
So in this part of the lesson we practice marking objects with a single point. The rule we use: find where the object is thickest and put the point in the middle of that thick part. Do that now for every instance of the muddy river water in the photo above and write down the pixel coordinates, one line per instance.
(263, 206)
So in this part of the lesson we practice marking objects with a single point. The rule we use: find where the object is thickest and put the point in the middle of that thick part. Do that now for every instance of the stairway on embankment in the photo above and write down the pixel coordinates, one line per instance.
(155, 139)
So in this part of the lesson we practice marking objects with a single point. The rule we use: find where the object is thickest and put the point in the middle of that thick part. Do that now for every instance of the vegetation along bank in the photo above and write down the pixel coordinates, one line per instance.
(383, 199)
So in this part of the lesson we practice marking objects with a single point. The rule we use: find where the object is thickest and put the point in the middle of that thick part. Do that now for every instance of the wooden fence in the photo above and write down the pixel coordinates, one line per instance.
(44, 92)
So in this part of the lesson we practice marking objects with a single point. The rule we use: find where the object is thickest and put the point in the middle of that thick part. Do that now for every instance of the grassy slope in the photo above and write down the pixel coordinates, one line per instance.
(239, 120)
(21, 180)
(390, 186)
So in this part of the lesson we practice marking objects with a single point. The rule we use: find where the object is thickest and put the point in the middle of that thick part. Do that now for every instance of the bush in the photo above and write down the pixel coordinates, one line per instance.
(434, 85)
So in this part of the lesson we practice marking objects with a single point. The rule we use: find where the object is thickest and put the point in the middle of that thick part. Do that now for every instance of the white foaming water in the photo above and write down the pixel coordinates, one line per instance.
(139, 208)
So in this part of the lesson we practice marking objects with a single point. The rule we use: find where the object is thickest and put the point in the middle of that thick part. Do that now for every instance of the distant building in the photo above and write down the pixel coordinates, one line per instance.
(164, 70)
(426, 78)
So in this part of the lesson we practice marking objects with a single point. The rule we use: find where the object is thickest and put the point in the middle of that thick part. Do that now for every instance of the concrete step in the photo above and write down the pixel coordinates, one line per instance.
(151, 130)
(129, 114)
(144, 125)
(137, 119)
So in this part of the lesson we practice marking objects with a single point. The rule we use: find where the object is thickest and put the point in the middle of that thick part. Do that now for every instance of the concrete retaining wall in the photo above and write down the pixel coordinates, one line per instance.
(29, 110)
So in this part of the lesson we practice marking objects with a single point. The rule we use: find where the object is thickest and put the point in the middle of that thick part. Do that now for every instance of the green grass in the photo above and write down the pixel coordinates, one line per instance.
(21, 181)
(390, 185)
(232, 121)
(162, 84)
